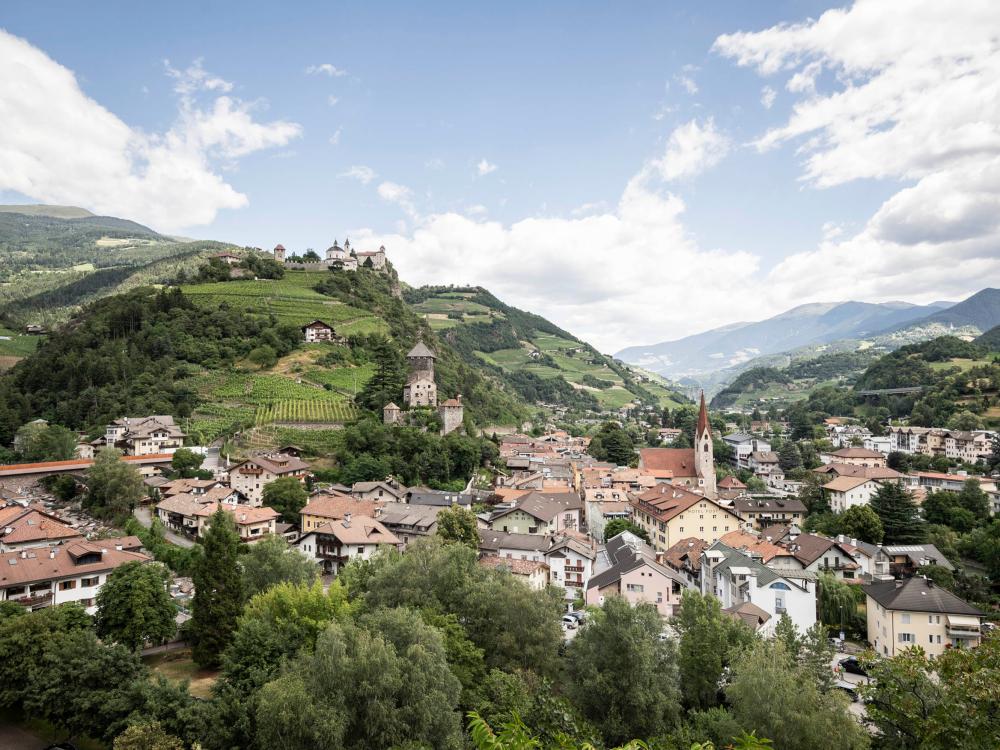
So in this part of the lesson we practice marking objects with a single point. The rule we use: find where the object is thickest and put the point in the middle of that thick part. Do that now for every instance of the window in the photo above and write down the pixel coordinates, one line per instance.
(905, 619)
(780, 586)
(90, 581)
(907, 638)
(361, 550)
(67, 585)
(636, 588)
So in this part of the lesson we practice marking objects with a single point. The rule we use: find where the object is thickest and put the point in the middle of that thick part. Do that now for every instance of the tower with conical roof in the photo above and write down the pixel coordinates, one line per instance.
(704, 460)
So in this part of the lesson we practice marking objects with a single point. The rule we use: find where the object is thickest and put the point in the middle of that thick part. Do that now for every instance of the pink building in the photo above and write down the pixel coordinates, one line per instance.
(636, 575)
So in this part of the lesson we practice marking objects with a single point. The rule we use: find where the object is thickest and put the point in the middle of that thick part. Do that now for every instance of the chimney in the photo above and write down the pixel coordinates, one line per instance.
(24, 554)
(347, 520)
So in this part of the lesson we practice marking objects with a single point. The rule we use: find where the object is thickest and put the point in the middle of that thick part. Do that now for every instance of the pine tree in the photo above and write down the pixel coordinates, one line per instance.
(218, 591)
(390, 376)
(894, 505)
(789, 457)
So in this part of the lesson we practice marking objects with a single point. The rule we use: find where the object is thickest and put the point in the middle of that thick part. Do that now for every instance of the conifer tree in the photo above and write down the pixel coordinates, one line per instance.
(218, 591)
(894, 505)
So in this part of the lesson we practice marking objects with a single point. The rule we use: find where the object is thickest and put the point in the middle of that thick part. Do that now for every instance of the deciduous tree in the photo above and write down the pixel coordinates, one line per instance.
(456, 524)
(134, 606)
(622, 675)
(271, 561)
(286, 495)
(114, 488)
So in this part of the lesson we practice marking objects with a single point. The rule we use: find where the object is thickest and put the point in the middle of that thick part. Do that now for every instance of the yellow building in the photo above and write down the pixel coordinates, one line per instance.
(917, 612)
(669, 513)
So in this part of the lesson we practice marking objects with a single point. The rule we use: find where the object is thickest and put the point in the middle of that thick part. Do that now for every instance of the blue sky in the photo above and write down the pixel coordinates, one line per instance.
(482, 124)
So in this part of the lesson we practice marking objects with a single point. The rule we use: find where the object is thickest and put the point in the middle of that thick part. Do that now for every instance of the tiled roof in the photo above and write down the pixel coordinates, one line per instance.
(678, 461)
(492, 541)
(30, 525)
(360, 530)
(768, 505)
(856, 453)
(846, 484)
(275, 463)
(545, 505)
(686, 551)
(61, 562)
(666, 501)
(750, 543)
(336, 505)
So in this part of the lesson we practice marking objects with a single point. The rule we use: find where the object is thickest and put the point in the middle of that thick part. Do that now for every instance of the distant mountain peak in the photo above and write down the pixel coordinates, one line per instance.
(42, 209)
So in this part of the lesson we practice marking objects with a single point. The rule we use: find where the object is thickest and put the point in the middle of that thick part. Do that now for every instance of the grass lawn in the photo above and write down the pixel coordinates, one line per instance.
(177, 666)
(18, 345)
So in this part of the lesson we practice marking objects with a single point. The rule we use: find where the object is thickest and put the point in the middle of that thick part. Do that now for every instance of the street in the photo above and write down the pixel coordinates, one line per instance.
(144, 516)
(857, 707)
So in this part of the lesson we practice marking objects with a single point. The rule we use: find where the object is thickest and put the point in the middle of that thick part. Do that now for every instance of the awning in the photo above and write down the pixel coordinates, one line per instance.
(963, 621)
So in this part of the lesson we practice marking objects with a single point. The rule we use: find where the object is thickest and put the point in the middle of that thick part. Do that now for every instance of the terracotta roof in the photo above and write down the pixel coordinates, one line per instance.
(678, 461)
(752, 544)
(687, 552)
(857, 453)
(451, 402)
(766, 457)
(275, 463)
(360, 530)
(845, 484)
(666, 501)
(82, 463)
(30, 525)
(184, 504)
(808, 548)
(731, 483)
(242, 514)
(335, 505)
(517, 567)
(61, 562)
(749, 613)
(853, 470)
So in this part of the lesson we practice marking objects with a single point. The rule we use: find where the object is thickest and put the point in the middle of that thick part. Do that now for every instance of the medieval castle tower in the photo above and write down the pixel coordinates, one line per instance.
(421, 390)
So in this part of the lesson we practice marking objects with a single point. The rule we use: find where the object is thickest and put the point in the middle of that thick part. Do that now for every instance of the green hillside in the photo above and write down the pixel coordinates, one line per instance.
(56, 259)
(542, 361)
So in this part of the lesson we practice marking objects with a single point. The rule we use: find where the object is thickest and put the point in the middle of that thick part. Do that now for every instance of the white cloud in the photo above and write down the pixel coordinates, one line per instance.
(688, 84)
(195, 78)
(335, 138)
(593, 273)
(59, 146)
(914, 97)
(434, 163)
(332, 100)
(691, 149)
(326, 69)
(484, 168)
(767, 97)
(402, 196)
(359, 172)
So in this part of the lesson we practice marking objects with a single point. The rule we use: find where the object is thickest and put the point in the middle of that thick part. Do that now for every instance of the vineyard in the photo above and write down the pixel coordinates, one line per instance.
(291, 300)
(306, 412)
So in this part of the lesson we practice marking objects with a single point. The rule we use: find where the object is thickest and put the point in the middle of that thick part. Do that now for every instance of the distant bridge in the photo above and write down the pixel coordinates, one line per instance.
(78, 464)
(892, 391)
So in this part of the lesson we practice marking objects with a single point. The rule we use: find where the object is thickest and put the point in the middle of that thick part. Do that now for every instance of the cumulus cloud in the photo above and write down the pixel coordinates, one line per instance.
(326, 69)
(484, 168)
(691, 149)
(59, 146)
(593, 273)
(335, 138)
(919, 105)
(767, 97)
(359, 172)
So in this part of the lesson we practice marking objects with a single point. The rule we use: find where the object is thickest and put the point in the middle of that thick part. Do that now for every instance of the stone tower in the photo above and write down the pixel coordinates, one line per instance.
(420, 389)
(451, 412)
(704, 460)
(279, 253)
(391, 414)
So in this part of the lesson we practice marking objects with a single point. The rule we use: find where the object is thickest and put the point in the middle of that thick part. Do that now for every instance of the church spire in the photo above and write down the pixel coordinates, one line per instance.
(703, 425)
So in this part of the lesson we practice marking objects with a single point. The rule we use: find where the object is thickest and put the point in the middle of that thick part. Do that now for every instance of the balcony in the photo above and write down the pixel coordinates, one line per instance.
(574, 568)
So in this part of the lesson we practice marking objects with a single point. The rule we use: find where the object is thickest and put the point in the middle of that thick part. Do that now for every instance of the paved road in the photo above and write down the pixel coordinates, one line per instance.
(857, 708)
(144, 517)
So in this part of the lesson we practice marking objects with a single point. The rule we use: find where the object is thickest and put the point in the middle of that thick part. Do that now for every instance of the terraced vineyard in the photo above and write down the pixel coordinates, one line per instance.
(291, 299)
(306, 412)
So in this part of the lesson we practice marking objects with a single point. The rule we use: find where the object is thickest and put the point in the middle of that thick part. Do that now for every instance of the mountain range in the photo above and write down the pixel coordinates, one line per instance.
(887, 324)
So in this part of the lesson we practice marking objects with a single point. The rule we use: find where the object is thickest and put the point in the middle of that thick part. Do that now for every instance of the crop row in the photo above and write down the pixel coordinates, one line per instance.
(306, 412)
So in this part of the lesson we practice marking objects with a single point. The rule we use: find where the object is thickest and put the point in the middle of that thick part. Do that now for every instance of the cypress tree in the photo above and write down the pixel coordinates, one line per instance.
(218, 591)
(901, 521)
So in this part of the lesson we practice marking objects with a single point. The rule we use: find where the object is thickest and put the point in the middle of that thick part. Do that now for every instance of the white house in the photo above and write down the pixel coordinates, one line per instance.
(75, 572)
(846, 492)
(250, 477)
(336, 543)
(743, 445)
(750, 590)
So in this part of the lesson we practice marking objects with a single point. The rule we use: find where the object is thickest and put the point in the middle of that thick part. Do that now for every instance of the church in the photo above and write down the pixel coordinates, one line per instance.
(690, 467)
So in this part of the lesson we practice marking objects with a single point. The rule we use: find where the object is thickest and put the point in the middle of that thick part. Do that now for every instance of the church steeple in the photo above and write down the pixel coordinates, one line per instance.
(704, 460)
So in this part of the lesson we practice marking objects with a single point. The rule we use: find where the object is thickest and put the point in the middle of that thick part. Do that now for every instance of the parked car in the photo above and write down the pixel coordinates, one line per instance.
(852, 665)
(579, 615)
(569, 622)
(851, 690)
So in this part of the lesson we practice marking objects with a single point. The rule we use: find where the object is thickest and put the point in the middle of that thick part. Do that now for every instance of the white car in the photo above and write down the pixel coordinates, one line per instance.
(569, 622)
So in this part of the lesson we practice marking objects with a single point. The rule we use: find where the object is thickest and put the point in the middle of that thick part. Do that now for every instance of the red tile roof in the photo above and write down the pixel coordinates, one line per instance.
(678, 461)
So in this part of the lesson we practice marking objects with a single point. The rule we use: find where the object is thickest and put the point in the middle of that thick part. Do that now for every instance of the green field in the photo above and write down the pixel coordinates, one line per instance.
(307, 412)
(18, 345)
(961, 364)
